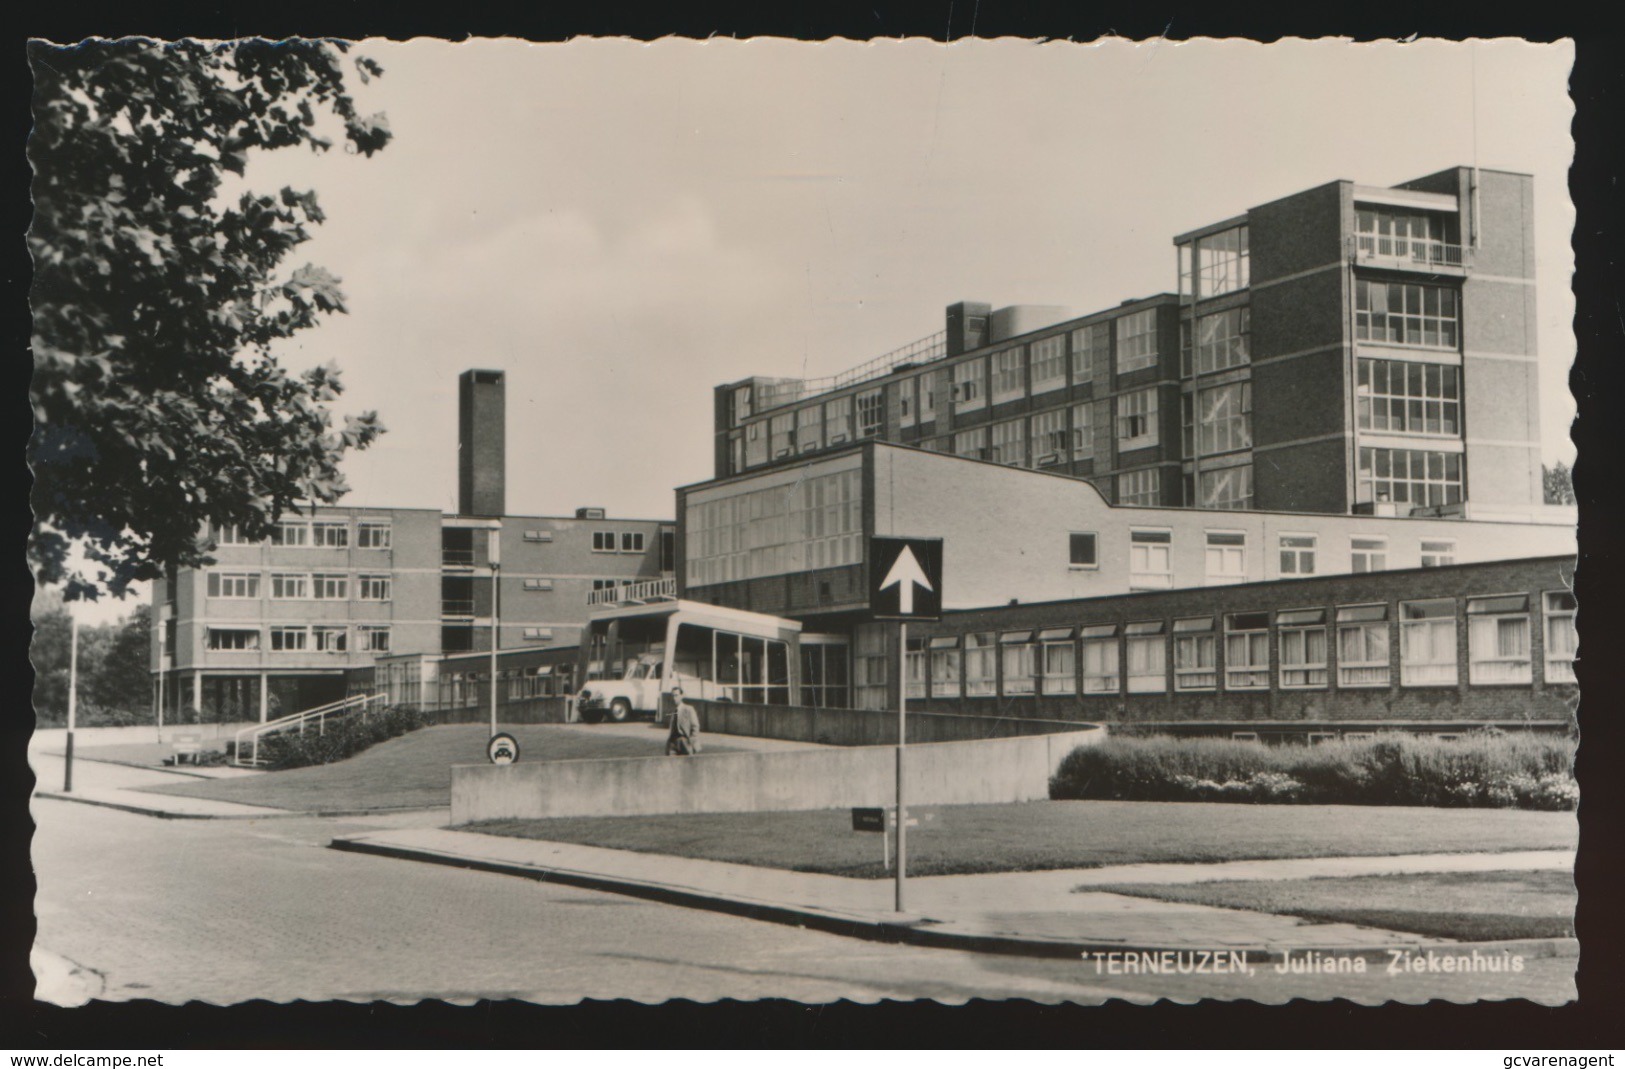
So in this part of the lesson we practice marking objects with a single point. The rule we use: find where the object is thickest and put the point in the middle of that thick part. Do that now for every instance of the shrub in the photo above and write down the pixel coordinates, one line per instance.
(1512, 770)
(341, 738)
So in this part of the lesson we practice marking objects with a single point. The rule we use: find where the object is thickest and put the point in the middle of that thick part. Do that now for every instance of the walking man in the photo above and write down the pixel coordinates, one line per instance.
(685, 727)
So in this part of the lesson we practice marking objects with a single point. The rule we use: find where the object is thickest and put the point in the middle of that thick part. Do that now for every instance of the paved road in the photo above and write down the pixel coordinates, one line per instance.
(225, 911)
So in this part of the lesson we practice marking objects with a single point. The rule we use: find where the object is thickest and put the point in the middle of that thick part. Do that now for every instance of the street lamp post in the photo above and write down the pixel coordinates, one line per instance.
(495, 553)
(73, 696)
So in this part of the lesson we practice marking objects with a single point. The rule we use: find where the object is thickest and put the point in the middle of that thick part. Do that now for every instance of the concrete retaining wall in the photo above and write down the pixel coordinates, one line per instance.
(941, 773)
(521, 711)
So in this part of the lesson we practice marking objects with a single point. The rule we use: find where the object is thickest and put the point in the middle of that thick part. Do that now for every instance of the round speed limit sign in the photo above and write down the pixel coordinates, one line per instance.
(503, 749)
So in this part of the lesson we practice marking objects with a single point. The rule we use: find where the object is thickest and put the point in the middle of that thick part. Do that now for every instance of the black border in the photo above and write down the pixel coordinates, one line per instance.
(1597, 85)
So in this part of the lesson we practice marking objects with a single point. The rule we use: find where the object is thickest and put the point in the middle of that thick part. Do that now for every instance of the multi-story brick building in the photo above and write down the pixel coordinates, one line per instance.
(273, 627)
(1347, 348)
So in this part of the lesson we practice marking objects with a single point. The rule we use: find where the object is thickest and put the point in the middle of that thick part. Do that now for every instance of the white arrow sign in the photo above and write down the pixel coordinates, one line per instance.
(905, 570)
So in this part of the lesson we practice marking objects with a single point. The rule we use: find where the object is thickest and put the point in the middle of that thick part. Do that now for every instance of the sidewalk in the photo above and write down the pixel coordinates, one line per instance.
(1040, 913)
(118, 786)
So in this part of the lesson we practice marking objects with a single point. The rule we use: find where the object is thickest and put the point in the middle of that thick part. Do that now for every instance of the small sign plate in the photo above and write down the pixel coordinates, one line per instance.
(503, 749)
(868, 819)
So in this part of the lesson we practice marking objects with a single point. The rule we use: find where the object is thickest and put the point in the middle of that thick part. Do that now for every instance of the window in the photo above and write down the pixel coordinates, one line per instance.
(968, 386)
(1137, 341)
(371, 535)
(234, 585)
(233, 639)
(1562, 640)
(1059, 660)
(972, 443)
(931, 387)
(1222, 340)
(1227, 488)
(604, 584)
(538, 584)
(330, 639)
(330, 587)
(1049, 438)
(1016, 654)
(372, 639)
(537, 634)
(980, 668)
(1427, 643)
(1222, 264)
(741, 404)
(1150, 564)
(330, 535)
(1099, 655)
(289, 639)
(1302, 634)
(288, 533)
(228, 534)
(290, 586)
(871, 413)
(603, 542)
(1408, 398)
(1091, 347)
(1137, 420)
(905, 390)
(1083, 431)
(914, 667)
(1368, 554)
(1225, 418)
(1247, 651)
(756, 443)
(1147, 653)
(817, 522)
(1362, 646)
(1009, 378)
(1420, 237)
(781, 435)
(631, 541)
(1297, 554)
(838, 421)
(1438, 554)
(1085, 549)
(810, 428)
(1498, 640)
(1196, 665)
(1049, 363)
(1400, 313)
(538, 536)
(1009, 443)
(373, 587)
(945, 666)
(1226, 557)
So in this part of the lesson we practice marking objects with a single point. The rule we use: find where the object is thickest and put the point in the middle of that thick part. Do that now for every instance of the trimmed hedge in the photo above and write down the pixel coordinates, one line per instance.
(1525, 771)
(343, 737)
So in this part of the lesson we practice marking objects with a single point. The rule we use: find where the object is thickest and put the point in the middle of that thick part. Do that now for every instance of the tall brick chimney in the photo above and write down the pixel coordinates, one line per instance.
(481, 463)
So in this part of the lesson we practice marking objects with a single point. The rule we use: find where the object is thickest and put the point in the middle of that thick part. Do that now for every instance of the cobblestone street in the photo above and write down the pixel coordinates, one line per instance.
(225, 911)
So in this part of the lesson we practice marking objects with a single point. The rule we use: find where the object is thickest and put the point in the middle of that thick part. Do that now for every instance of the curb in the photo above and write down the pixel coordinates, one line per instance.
(165, 814)
(926, 932)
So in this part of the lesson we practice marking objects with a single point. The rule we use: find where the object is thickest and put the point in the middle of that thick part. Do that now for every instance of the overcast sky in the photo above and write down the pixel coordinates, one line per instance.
(622, 226)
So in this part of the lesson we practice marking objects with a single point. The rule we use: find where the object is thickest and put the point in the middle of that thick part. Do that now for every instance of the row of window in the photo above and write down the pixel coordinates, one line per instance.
(300, 586)
(316, 534)
(1151, 555)
(815, 523)
(1352, 644)
(319, 638)
(615, 541)
(1222, 264)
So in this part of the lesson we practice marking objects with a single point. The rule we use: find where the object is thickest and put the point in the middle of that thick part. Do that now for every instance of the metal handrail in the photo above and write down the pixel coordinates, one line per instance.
(648, 590)
(1408, 250)
(320, 714)
(456, 606)
(931, 347)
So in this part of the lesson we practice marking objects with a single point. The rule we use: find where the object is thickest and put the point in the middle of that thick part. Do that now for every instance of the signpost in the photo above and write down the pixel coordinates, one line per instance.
(494, 544)
(905, 576)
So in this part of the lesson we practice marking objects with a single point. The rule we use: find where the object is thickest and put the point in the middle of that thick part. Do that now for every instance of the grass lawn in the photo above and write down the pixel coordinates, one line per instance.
(1056, 835)
(1447, 905)
(415, 769)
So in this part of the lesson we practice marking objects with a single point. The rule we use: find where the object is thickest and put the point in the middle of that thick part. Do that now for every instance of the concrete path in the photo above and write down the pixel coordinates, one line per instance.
(1035, 913)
